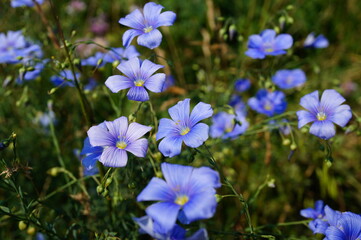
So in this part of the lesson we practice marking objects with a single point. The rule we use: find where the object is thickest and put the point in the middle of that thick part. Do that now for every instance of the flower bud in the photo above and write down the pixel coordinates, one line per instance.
(22, 225)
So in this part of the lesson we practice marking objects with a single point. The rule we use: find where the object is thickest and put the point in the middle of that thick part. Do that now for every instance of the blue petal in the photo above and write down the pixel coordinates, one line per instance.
(321, 42)
(342, 114)
(151, 39)
(130, 68)
(330, 100)
(151, 12)
(138, 94)
(148, 68)
(350, 223)
(305, 117)
(200, 111)
(323, 129)
(87, 147)
(156, 190)
(180, 112)
(310, 102)
(165, 19)
(90, 161)
(118, 127)
(138, 147)
(255, 41)
(333, 233)
(197, 135)
(155, 83)
(177, 176)
(134, 19)
(331, 215)
(129, 35)
(318, 226)
(146, 225)
(166, 127)
(170, 146)
(165, 214)
(98, 136)
(205, 176)
(308, 213)
(255, 54)
(116, 83)
(114, 157)
(283, 41)
(268, 35)
(136, 130)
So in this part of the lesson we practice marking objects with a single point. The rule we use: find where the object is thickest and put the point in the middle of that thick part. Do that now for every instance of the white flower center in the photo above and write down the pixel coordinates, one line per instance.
(121, 145)
(147, 29)
(181, 200)
(139, 83)
(321, 116)
(184, 131)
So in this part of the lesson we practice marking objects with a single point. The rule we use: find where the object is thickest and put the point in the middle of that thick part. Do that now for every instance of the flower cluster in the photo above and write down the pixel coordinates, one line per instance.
(227, 125)
(268, 103)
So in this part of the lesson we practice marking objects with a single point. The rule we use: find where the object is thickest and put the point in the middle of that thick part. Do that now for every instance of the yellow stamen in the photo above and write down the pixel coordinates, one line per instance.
(181, 200)
(147, 29)
(321, 116)
(268, 106)
(185, 131)
(139, 83)
(121, 145)
(269, 49)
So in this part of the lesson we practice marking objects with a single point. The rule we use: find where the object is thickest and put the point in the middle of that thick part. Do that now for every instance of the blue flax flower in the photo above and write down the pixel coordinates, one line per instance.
(121, 54)
(347, 226)
(94, 60)
(187, 194)
(268, 103)
(145, 25)
(117, 138)
(242, 85)
(28, 3)
(183, 127)
(225, 125)
(315, 42)
(148, 226)
(324, 113)
(92, 155)
(268, 44)
(64, 79)
(237, 103)
(138, 77)
(319, 224)
(287, 79)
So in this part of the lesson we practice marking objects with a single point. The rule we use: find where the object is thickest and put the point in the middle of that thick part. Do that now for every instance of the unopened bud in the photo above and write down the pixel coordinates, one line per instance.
(100, 189)
(293, 146)
(22, 225)
(286, 142)
(31, 230)
(115, 64)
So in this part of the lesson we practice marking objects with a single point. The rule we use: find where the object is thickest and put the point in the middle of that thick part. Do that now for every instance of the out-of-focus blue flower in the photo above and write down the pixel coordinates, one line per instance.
(169, 81)
(92, 155)
(183, 127)
(13, 46)
(138, 77)
(324, 113)
(148, 226)
(347, 227)
(242, 85)
(64, 79)
(225, 125)
(117, 138)
(287, 79)
(31, 75)
(268, 103)
(282, 126)
(145, 25)
(319, 223)
(316, 42)
(121, 54)
(268, 44)
(238, 105)
(21, 3)
(94, 60)
(187, 194)
(90, 85)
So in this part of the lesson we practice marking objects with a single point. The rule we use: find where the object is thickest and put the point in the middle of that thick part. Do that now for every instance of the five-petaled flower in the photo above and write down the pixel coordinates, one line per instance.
(145, 25)
(268, 44)
(187, 194)
(268, 103)
(117, 138)
(324, 113)
(183, 127)
(139, 75)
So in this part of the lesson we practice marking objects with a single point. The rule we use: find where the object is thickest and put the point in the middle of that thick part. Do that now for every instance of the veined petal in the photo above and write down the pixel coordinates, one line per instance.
(305, 117)
(165, 19)
(283, 41)
(177, 176)
(148, 68)
(166, 127)
(134, 19)
(310, 102)
(114, 157)
(200, 111)
(155, 83)
(130, 68)
(118, 127)
(138, 94)
(197, 135)
(117, 82)
(205, 176)
(170, 146)
(333, 233)
(138, 147)
(164, 213)
(151, 12)
(156, 190)
(180, 112)
(323, 129)
(98, 136)
(330, 100)
(151, 39)
(136, 131)
(342, 114)
(129, 35)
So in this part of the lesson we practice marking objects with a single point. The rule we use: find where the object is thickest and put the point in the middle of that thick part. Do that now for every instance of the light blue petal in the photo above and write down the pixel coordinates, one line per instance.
(321, 42)
(99, 136)
(310, 102)
(255, 54)
(283, 41)
(114, 157)
(138, 94)
(206, 177)
(305, 117)
(156, 190)
(165, 19)
(342, 115)
(170, 146)
(148, 68)
(180, 112)
(166, 127)
(333, 233)
(136, 131)
(268, 35)
(90, 161)
(197, 135)
(134, 19)
(130, 68)
(117, 82)
(331, 215)
(255, 41)
(178, 177)
(118, 127)
(323, 129)
(200, 111)
(155, 83)
(165, 214)
(151, 12)
(330, 100)
(129, 35)
(138, 147)
(151, 39)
